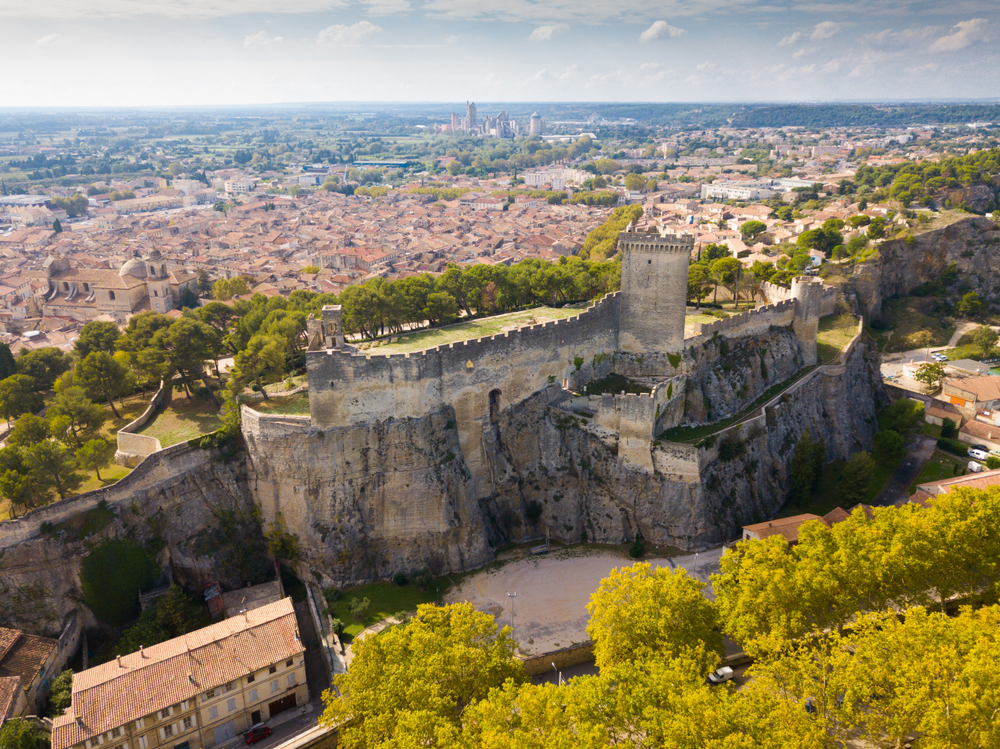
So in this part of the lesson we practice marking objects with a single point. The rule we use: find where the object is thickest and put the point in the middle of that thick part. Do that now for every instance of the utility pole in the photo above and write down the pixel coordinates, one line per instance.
(511, 596)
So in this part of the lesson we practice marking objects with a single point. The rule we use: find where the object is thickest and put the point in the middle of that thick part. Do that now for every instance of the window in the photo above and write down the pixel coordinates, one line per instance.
(168, 730)
(288, 663)
(274, 686)
(291, 680)
(231, 705)
(155, 292)
(143, 742)
(253, 695)
(165, 713)
(186, 723)
(209, 694)
(251, 678)
(229, 687)
(186, 705)
(140, 724)
(272, 669)
(65, 286)
(213, 712)
(116, 732)
(111, 295)
(86, 287)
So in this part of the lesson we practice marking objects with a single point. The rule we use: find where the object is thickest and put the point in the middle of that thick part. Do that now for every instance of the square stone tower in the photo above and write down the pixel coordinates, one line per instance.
(654, 290)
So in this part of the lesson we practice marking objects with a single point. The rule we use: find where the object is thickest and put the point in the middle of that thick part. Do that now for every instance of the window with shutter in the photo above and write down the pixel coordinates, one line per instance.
(253, 695)
(143, 742)
(187, 723)
(274, 686)
(291, 680)
(213, 712)
(231, 705)
(140, 723)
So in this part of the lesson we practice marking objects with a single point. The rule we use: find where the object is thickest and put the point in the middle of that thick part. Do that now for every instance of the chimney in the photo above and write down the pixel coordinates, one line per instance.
(141, 654)
(79, 720)
(119, 661)
(191, 678)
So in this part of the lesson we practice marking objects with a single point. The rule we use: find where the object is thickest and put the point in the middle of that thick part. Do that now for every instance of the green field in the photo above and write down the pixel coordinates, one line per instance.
(386, 599)
(184, 419)
(486, 326)
(297, 404)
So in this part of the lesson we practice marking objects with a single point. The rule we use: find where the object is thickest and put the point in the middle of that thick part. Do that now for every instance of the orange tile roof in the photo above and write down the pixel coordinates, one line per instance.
(115, 693)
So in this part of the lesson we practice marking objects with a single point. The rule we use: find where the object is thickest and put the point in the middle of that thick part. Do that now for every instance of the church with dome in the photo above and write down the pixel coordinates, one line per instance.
(142, 283)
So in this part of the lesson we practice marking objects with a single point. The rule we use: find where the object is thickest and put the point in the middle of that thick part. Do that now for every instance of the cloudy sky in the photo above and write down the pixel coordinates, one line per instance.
(176, 52)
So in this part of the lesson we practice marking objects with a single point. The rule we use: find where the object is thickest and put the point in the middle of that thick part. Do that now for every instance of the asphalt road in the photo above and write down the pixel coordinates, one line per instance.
(918, 451)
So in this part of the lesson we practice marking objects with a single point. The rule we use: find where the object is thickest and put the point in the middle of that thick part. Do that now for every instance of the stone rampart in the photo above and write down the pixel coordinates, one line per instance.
(132, 447)
(752, 321)
(160, 466)
(477, 378)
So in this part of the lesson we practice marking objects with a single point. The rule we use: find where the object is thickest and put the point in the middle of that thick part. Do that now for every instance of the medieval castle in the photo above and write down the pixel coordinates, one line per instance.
(643, 324)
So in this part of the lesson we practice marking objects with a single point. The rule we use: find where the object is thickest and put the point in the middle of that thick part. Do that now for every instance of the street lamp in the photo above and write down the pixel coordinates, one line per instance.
(511, 596)
(556, 669)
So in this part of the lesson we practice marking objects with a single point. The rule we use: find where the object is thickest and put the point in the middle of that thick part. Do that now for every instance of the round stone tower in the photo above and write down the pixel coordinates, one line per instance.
(654, 290)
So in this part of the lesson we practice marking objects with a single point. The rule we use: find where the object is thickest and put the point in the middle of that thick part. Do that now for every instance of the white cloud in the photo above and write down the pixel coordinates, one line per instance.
(801, 52)
(659, 30)
(546, 75)
(261, 39)
(826, 29)
(452, 38)
(388, 7)
(790, 40)
(965, 34)
(67, 9)
(49, 40)
(831, 67)
(706, 65)
(339, 34)
(648, 66)
(545, 33)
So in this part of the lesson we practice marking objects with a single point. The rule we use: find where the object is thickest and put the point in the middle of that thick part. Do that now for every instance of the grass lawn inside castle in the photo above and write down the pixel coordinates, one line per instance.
(484, 327)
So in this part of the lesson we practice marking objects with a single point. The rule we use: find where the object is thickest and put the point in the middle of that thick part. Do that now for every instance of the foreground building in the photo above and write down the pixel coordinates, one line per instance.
(198, 690)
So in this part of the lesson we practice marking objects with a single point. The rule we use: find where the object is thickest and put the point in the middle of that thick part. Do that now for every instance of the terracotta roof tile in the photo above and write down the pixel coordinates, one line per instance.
(113, 694)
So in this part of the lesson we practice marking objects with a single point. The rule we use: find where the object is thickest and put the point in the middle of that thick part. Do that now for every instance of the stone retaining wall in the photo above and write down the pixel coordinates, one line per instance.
(132, 447)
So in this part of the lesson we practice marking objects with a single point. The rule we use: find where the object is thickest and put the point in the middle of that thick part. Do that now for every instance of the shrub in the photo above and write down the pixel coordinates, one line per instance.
(730, 448)
(332, 595)
(949, 429)
(422, 579)
(337, 626)
(638, 548)
(953, 446)
(400, 579)
(359, 607)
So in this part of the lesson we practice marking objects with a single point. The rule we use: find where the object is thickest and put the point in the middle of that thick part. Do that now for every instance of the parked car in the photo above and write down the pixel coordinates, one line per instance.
(938, 356)
(973, 452)
(723, 674)
(984, 448)
(256, 733)
(995, 453)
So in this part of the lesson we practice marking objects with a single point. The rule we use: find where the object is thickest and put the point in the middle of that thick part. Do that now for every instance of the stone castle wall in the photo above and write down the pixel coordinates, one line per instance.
(476, 378)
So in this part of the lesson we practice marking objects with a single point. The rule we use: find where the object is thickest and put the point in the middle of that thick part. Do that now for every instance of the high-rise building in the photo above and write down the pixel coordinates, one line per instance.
(536, 126)
(470, 117)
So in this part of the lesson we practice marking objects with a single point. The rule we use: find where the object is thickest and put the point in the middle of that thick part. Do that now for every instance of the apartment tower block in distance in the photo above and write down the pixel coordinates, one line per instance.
(470, 117)
(654, 290)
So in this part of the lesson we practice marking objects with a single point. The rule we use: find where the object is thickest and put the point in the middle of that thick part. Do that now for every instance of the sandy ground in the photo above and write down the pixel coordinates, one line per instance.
(550, 608)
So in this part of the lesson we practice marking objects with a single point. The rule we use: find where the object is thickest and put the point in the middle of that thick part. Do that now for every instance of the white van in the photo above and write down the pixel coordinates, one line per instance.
(975, 467)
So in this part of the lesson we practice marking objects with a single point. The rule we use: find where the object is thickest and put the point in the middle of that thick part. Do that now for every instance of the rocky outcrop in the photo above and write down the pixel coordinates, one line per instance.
(558, 475)
(369, 501)
(192, 505)
(972, 244)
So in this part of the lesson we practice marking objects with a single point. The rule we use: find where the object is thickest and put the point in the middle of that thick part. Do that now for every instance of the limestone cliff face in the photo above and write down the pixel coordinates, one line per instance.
(369, 501)
(972, 244)
(556, 473)
(837, 405)
(730, 374)
(195, 505)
